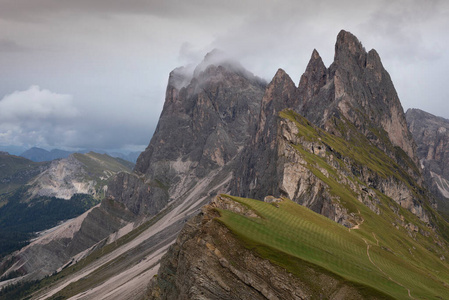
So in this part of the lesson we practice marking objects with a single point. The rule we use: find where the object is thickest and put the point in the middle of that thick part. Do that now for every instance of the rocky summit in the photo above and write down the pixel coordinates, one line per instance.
(255, 190)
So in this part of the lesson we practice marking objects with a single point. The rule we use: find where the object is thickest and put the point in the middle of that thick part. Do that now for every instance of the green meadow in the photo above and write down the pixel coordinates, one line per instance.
(376, 258)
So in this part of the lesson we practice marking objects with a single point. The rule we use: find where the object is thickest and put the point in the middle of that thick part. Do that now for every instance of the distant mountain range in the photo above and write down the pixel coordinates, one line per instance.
(39, 155)
(35, 196)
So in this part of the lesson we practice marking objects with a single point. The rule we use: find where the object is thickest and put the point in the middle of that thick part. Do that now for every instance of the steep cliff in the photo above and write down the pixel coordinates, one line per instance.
(207, 120)
(355, 100)
(339, 145)
(356, 89)
(431, 134)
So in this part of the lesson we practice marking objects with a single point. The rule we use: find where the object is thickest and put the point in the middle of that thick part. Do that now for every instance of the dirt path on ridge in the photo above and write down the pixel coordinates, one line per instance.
(388, 276)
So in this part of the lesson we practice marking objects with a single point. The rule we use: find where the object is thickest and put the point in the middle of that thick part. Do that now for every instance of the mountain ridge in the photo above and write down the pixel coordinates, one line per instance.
(337, 144)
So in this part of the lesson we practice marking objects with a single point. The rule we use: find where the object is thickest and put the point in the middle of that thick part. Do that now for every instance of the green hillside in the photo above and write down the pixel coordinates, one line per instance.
(389, 252)
(377, 258)
(97, 163)
(101, 168)
(22, 215)
(16, 171)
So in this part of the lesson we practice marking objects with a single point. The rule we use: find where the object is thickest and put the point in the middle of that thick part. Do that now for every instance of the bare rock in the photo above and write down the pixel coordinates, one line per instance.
(208, 262)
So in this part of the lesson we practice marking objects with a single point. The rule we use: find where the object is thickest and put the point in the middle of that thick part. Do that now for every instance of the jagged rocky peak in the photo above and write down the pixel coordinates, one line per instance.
(258, 167)
(203, 126)
(280, 93)
(356, 89)
(348, 49)
(314, 77)
(353, 99)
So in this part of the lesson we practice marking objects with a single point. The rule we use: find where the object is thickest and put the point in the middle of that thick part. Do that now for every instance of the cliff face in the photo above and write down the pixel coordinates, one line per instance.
(337, 144)
(206, 120)
(356, 89)
(432, 137)
(354, 99)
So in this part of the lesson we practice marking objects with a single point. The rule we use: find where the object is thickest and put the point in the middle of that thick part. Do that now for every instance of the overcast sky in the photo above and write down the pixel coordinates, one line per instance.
(93, 73)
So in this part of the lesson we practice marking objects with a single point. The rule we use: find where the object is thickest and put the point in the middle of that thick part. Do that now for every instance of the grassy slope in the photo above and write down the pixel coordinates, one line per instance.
(19, 219)
(16, 171)
(98, 162)
(97, 165)
(291, 234)
(401, 260)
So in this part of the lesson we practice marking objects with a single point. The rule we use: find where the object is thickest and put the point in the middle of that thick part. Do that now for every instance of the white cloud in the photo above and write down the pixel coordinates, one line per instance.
(36, 104)
(35, 117)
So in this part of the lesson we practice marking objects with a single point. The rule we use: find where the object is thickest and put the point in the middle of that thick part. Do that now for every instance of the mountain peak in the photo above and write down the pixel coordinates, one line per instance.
(314, 77)
(315, 55)
(346, 40)
(349, 48)
(217, 58)
(280, 74)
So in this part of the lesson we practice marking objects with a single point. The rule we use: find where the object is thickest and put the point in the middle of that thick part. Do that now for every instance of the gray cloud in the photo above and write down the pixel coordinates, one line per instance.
(111, 58)
(33, 10)
(51, 120)
(8, 45)
(35, 117)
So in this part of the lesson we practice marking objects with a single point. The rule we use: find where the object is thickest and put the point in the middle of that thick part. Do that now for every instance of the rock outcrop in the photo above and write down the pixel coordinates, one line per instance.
(209, 262)
(338, 137)
(431, 134)
(79, 173)
(357, 90)
(353, 99)
(206, 121)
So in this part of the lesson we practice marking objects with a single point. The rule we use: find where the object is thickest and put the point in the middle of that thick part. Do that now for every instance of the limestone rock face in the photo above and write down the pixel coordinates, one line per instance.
(77, 174)
(224, 130)
(354, 96)
(357, 89)
(432, 137)
(63, 179)
(203, 126)
(258, 162)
